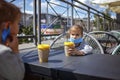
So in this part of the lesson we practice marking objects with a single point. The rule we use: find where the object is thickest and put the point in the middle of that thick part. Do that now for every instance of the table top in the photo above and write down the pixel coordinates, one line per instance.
(94, 66)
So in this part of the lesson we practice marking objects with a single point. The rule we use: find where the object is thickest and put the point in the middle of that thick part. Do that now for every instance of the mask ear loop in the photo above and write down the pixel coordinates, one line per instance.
(5, 34)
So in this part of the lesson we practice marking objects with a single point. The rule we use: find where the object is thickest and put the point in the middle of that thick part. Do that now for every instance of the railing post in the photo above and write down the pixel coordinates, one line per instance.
(35, 21)
(39, 22)
(88, 21)
(98, 23)
(72, 13)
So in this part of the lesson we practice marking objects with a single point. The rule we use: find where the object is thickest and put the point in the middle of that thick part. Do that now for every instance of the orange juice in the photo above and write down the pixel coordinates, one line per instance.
(68, 45)
(43, 52)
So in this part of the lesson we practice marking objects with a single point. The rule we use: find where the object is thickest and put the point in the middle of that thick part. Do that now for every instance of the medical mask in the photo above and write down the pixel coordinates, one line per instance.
(79, 40)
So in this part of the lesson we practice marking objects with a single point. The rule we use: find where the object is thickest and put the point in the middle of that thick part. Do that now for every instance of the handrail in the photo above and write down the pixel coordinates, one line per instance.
(26, 36)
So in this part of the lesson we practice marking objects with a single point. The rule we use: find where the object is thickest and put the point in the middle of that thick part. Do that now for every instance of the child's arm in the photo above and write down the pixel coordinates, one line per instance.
(85, 50)
(74, 51)
(79, 52)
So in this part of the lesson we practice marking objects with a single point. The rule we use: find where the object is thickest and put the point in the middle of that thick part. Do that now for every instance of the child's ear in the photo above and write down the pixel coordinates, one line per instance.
(6, 25)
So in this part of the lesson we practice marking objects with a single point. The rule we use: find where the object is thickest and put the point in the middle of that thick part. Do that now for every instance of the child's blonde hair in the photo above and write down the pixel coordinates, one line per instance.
(76, 27)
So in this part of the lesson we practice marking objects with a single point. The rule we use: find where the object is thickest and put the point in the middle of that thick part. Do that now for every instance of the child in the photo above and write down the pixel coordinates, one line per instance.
(11, 67)
(76, 34)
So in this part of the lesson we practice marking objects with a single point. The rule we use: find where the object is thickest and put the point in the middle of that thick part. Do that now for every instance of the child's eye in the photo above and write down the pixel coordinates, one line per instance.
(73, 34)
(77, 34)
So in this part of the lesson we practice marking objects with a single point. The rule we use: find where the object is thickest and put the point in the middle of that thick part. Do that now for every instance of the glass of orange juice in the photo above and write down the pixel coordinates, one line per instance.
(68, 45)
(43, 52)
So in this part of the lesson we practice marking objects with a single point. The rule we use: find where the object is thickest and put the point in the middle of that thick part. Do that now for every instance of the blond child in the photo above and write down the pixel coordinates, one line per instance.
(81, 47)
(11, 66)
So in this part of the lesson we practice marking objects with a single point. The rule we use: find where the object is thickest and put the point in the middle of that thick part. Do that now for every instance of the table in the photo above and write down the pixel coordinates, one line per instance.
(89, 67)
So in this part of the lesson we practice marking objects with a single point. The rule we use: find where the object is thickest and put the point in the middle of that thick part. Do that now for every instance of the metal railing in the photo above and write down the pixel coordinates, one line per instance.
(71, 14)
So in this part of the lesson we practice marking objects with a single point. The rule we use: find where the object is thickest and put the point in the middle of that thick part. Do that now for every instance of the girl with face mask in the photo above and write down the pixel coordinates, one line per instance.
(81, 47)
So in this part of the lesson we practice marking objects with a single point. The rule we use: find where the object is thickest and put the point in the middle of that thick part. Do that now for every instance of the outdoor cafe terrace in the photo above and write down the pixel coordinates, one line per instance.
(100, 31)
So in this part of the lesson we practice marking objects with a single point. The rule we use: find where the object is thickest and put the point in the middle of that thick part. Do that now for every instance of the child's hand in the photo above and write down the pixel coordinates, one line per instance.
(71, 51)
(74, 51)
(12, 42)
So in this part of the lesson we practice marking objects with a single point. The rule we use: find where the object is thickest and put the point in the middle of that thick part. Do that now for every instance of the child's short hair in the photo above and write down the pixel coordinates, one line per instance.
(77, 27)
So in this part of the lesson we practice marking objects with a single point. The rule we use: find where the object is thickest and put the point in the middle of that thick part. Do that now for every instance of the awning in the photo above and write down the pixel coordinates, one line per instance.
(113, 5)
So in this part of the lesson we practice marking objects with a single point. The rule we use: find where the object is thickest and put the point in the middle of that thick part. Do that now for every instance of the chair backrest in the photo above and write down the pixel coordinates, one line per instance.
(107, 40)
(93, 42)
(116, 34)
(58, 43)
(116, 51)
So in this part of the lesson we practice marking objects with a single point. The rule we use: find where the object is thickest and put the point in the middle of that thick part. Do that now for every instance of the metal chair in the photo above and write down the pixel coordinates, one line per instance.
(116, 34)
(58, 43)
(116, 51)
(107, 40)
